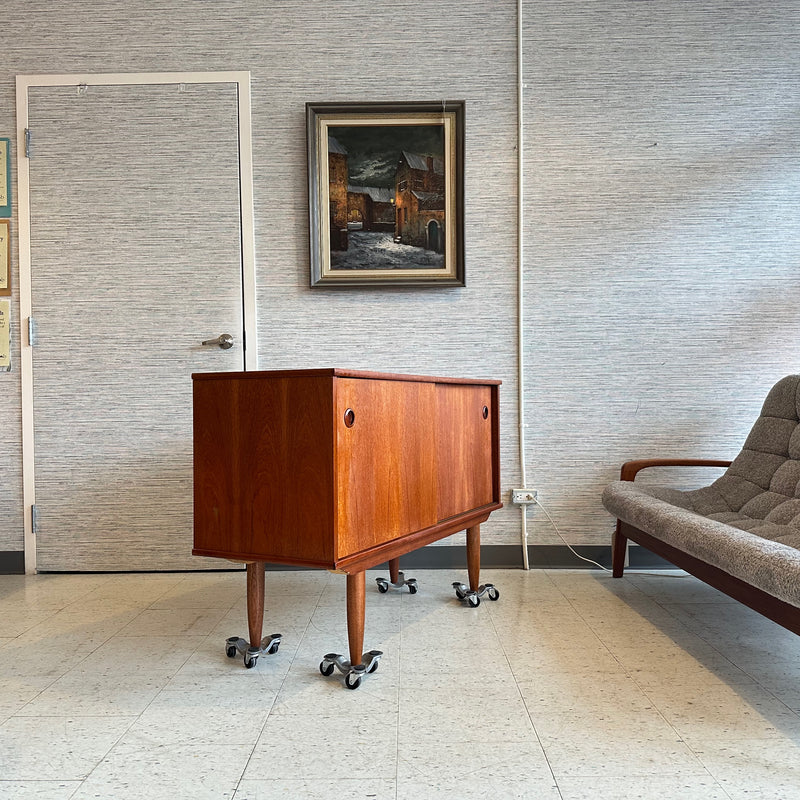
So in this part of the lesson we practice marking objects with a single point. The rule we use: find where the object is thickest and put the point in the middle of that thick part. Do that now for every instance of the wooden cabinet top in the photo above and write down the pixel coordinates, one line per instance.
(338, 373)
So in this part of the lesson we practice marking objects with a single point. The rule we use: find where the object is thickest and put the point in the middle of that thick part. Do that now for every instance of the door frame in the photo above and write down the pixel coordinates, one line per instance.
(246, 205)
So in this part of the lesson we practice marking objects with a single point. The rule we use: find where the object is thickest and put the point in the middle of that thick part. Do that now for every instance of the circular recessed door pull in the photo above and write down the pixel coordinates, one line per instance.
(224, 340)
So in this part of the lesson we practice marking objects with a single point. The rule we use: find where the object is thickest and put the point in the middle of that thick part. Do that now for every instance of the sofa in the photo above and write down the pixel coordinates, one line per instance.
(741, 533)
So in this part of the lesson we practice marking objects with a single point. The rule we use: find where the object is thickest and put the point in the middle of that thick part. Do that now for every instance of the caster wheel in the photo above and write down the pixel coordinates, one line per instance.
(493, 593)
(326, 668)
(273, 648)
(459, 594)
(412, 588)
(352, 682)
(249, 662)
(383, 587)
(373, 667)
(474, 600)
(230, 652)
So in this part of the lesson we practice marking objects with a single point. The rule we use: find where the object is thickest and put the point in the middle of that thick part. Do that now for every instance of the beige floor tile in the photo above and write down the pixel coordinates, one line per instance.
(727, 713)
(14, 621)
(71, 627)
(470, 760)
(521, 788)
(134, 589)
(209, 669)
(16, 694)
(57, 748)
(605, 707)
(675, 588)
(581, 656)
(320, 789)
(359, 747)
(651, 787)
(428, 717)
(166, 772)
(122, 655)
(208, 592)
(577, 752)
(173, 622)
(90, 694)
(306, 692)
(280, 613)
(754, 768)
(49, 591)
(37, 790)
(200, 718)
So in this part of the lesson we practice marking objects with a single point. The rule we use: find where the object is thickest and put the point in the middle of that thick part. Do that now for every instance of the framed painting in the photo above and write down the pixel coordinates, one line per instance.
(386, 193)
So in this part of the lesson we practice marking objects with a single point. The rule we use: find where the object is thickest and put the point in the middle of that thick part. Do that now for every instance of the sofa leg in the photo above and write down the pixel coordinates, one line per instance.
(619, 546)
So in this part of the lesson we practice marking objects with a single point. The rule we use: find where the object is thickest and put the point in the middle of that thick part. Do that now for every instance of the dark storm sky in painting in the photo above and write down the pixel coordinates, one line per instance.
(374, 150)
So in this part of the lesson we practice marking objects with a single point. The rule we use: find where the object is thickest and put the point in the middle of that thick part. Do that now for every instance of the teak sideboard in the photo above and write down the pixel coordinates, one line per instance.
(340, 469)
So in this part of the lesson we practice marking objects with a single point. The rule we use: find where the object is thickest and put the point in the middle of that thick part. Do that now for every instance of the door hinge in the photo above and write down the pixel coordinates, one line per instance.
(27, 143)
(34, 519)
(32, 332)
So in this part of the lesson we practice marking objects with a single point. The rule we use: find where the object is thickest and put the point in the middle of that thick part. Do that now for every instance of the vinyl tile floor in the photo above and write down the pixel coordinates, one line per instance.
(572, 686)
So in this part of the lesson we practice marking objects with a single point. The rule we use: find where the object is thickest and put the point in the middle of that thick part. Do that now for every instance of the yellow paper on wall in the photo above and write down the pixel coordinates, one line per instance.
(5, 338)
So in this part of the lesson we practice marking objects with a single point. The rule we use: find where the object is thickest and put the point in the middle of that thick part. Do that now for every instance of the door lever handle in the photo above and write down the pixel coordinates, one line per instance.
(224, 340)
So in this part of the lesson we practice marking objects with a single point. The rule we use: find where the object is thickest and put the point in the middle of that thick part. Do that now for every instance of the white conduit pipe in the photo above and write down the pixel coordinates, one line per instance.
(521, 291)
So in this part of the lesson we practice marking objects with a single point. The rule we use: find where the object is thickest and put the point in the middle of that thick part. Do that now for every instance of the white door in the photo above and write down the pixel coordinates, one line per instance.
(136, 258)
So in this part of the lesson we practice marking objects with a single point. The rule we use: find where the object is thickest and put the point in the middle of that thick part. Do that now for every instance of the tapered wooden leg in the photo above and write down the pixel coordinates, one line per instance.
(474, 556)
(394, 570)
(618, 551)
(255, 601)
(355, 615)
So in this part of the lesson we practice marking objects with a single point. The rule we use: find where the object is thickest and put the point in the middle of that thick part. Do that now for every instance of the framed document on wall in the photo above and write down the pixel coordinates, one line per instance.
(5, 337)
(5, 178)
(5, 260)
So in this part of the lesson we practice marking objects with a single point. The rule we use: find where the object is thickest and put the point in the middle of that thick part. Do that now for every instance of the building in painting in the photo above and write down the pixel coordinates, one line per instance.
(419, 201)
(370, 208)
(414, 211)
(337, 194)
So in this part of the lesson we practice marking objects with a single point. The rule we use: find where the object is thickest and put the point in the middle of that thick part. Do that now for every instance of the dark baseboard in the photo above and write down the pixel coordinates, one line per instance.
(505, 556)
(540, 556)
(12, 562)
(493, 556)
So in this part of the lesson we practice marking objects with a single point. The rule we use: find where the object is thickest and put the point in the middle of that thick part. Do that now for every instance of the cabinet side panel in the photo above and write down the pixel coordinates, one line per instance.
(464, 448)
(386, 462)
(216, 476)
(264, 468)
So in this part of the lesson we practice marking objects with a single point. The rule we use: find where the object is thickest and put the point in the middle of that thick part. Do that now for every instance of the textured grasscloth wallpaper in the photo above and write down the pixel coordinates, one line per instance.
(661, 224)
(661, 199)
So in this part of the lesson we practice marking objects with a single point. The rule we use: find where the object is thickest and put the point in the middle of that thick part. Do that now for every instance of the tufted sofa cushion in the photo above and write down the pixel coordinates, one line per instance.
(760, 491)
(747, 522)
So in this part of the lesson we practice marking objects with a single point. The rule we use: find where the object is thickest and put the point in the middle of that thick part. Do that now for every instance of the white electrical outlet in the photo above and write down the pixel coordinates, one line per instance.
(522, 497)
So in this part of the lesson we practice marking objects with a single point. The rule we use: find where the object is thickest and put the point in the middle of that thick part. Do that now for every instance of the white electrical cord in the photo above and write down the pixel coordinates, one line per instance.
(572, 549)
(657, 574)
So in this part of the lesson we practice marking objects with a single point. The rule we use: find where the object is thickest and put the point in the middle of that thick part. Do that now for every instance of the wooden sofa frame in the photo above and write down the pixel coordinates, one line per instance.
(771, 607)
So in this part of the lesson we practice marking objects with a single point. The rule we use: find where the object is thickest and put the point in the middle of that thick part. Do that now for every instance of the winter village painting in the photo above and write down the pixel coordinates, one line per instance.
(386, 197)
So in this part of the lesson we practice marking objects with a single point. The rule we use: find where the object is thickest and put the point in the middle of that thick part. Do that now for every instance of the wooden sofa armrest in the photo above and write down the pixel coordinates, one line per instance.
(630, 468)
